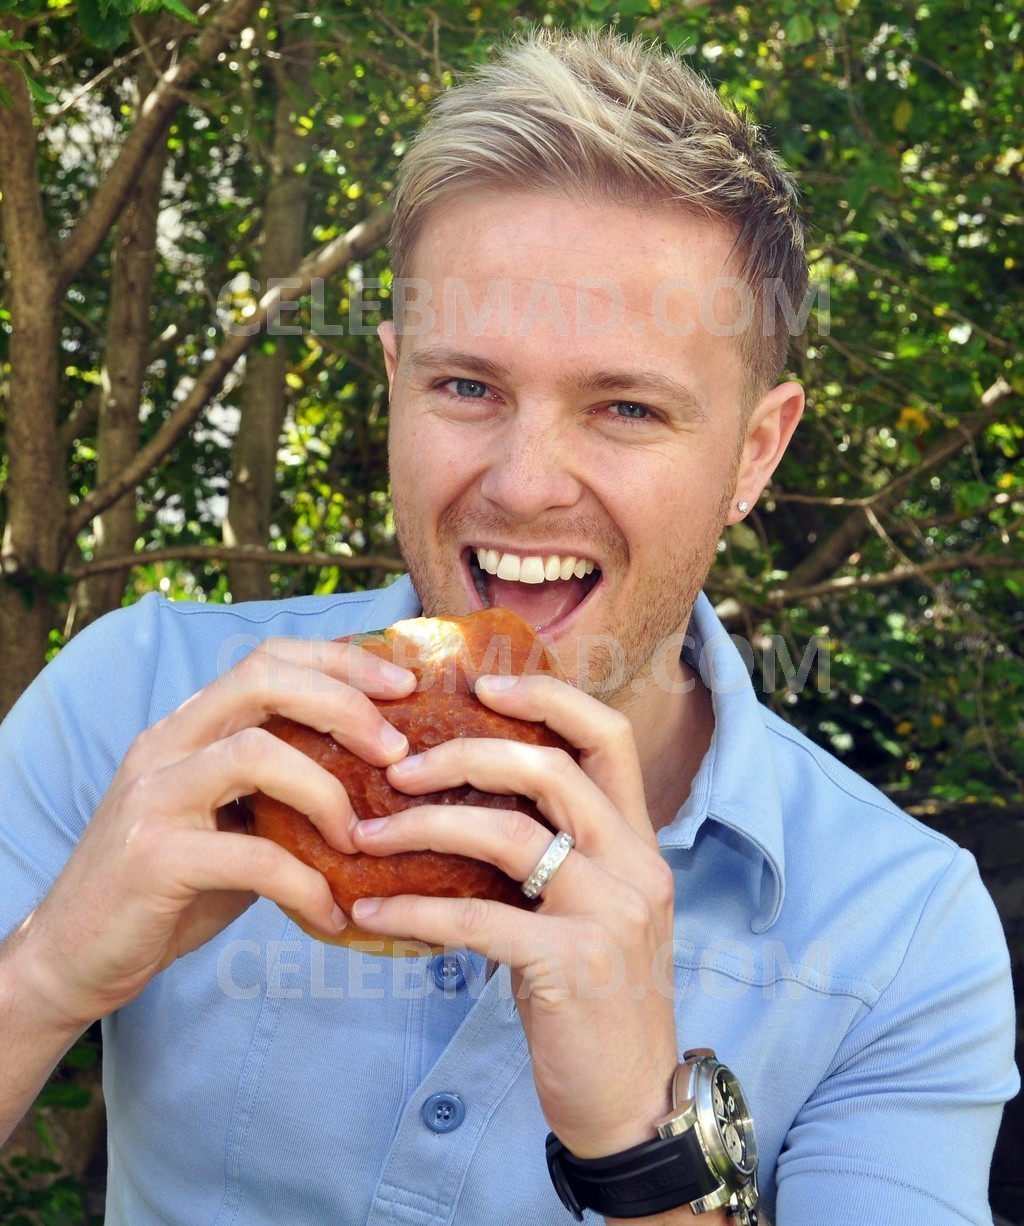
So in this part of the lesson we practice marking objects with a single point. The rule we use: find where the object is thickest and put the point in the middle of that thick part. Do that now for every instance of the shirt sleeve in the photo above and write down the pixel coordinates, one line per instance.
(903, 1126)
(62, 743)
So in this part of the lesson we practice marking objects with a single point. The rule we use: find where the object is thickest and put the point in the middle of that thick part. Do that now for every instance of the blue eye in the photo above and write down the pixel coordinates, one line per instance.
(472, 389)
(631, 411)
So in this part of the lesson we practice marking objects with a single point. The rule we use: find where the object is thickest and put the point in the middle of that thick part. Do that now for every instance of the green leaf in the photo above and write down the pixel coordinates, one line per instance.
(800, 30)
(39, 93)
(902, 115)
(21, 8)
(102, 27)
(84, 1054)
(178, 9)
(974, 493)
(64, 1094)
(857, 188)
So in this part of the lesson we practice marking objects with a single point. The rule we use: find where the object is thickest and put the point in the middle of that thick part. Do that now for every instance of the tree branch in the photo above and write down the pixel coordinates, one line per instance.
(56, 114)
(227, 553)
(731, 610)
(361, 240)
(898, 574)
(155, 115)
(82, 417)
(838, 545)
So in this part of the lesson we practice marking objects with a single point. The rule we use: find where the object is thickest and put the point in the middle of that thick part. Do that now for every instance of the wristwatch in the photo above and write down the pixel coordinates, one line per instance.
(704, 1155)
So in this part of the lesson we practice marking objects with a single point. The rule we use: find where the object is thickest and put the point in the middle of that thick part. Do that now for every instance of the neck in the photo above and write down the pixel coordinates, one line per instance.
(672, 725)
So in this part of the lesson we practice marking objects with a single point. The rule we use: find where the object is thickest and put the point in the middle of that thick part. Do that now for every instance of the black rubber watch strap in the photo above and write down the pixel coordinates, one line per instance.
(652, 1177)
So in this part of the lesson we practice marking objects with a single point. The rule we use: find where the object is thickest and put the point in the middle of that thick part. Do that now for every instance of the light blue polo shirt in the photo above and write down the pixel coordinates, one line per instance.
(843, 959)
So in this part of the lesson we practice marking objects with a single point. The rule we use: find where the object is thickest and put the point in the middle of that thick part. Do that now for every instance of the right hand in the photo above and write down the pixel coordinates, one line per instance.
(161, 867)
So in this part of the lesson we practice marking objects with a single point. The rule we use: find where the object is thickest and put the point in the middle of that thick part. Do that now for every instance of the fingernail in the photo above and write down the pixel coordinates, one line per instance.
(362, 908)
(497, 684)
(338, 918)
(394, 674)
(405, 766)
(391, 738)
(371, 825)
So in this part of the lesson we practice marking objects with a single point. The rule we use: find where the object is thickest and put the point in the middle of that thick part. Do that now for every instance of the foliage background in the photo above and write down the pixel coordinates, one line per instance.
(159, 160)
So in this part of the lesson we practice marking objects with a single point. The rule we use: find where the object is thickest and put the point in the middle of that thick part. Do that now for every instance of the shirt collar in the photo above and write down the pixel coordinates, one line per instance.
(735, 785)
(394, 603)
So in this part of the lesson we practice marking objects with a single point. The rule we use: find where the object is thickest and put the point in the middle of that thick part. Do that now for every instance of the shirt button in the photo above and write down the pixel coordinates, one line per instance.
(443, 1112)
(448, 971)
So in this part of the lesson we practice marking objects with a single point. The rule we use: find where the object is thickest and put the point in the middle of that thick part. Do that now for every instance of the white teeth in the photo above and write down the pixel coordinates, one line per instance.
(533, 569)
(509, 567)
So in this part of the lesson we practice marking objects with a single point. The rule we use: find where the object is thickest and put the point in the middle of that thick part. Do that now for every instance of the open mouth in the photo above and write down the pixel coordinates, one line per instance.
(545, 590)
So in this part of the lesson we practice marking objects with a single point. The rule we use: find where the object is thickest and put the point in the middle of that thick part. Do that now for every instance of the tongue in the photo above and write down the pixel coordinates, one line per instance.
(540, 604)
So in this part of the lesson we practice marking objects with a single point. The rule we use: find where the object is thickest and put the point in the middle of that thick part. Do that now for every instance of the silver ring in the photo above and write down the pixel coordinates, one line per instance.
(549, 864)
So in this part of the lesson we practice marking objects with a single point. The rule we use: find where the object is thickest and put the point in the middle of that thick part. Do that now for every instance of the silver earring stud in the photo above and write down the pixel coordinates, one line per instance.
(743, 505)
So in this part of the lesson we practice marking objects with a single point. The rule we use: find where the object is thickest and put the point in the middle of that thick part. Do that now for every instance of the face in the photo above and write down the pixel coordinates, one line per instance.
(567, 436)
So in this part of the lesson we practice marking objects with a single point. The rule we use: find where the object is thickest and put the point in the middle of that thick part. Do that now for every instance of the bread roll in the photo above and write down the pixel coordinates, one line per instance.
(447, 655)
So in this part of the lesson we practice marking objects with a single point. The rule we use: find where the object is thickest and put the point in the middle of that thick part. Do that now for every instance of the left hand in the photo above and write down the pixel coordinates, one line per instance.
(592, 990)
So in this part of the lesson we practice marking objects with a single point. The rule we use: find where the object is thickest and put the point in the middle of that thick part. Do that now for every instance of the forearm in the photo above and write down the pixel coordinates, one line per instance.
(34, 1040)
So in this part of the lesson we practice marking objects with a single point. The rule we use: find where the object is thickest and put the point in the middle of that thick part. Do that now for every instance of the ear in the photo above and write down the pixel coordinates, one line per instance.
(389, 343)
(769, 429)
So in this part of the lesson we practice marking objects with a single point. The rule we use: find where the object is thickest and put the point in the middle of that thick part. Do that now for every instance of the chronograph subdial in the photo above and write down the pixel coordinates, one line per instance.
(732, 1120)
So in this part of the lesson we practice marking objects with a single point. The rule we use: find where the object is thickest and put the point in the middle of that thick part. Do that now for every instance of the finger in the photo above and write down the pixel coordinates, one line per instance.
(278, 678)
(492, 929)
(603, 735)
(346, 661)
(564, 794)
(252, 760)
(240, 862)
(505, 838)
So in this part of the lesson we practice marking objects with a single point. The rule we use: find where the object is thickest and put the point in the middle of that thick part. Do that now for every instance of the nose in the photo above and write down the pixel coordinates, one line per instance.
(531, 471)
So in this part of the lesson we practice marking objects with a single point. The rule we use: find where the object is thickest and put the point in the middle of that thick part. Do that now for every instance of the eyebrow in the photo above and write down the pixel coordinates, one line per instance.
(434, 356)
(640, 381)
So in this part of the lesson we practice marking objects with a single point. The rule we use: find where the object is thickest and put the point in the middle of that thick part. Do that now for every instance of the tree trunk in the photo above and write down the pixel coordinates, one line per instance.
(39, 528)
(263, 397)
(124, 371)
(36, 490)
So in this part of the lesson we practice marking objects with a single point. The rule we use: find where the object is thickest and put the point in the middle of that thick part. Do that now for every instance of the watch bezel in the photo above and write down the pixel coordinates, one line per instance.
(709, 1131)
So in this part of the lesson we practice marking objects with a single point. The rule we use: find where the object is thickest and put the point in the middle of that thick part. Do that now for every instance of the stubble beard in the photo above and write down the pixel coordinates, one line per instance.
(645, 648)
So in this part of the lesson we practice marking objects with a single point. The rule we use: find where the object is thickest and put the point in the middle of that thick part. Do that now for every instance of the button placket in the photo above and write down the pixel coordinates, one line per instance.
(478, 1067)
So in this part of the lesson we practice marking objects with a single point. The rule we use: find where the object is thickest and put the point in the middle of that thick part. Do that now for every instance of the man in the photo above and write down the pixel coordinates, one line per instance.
(584, 379)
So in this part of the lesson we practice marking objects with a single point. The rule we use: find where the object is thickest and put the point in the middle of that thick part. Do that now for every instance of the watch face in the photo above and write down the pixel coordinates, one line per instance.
(735, 1129)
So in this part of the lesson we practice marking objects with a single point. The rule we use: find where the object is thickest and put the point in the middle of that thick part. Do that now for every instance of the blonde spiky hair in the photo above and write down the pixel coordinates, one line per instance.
(598, 115)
